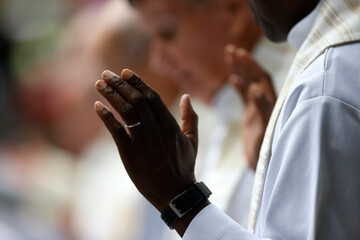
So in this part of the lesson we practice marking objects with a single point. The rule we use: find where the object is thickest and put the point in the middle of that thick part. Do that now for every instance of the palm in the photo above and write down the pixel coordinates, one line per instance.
(257, 92)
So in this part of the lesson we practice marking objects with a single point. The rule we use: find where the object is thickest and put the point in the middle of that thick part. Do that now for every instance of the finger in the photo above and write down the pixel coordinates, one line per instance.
(190, 120)
(243, 59)
(123, 107)
(131, 95)
(240, 62)
(269, 89)
(255, 91)
(240, 86)
(264, 106)
(243, 69)
(153, 98)
(117, 131)
(247, 68)
(229, 53)
(251, 72)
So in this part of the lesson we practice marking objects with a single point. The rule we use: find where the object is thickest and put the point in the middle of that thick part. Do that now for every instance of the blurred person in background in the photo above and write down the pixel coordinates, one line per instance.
(35, 176)
(6, 112)
(54, 93)
(190, 39)
(58, 95)
(102, 192)
(106, 205)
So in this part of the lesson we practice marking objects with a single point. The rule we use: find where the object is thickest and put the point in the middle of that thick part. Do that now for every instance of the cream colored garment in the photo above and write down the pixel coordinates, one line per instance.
(107, 204)
(36, 189)
(336, 24)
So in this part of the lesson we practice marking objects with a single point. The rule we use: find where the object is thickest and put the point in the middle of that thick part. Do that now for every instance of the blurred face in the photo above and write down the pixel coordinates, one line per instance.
(277, 17)
(189, 42)
(116, 52)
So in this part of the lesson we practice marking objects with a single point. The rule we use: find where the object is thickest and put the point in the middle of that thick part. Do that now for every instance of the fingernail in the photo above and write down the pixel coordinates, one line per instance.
(108, 75)
(100, 84)
(185, 96)
(127, 74)
(99, 106)
(230, 48)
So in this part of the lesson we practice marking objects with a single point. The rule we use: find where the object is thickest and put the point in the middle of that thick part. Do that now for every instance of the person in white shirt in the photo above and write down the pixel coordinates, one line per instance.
(307, 181)
(106, 204)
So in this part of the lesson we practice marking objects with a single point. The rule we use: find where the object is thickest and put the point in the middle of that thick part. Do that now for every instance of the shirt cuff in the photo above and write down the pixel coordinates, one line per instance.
(213, 224)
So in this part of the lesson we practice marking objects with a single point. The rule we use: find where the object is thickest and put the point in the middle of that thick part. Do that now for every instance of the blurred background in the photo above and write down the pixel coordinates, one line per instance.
(60, 173)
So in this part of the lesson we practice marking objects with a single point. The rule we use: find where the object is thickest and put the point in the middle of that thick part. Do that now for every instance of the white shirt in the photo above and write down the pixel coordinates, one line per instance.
(312, 187)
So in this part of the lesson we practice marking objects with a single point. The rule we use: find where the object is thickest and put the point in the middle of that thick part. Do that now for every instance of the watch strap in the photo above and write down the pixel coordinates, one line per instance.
(185, 202)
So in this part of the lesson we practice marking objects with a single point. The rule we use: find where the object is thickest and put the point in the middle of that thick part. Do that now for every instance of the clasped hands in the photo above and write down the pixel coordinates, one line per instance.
(158, 156)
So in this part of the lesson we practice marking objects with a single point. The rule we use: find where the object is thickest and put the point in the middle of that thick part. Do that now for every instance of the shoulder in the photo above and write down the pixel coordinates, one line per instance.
(342, 74)
(334, 74)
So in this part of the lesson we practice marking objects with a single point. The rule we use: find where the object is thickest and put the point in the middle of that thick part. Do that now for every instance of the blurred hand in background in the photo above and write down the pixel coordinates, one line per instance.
(257, 92)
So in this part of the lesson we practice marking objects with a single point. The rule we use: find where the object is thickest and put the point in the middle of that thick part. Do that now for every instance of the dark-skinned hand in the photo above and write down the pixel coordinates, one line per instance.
(257, 92)
(158, 156)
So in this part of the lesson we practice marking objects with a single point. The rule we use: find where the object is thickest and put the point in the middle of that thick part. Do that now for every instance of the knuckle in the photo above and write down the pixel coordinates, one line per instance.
(137, 82)
(118, 129)
(127, 109)
(107, 116)
(139, 100)
(153, 96)
(118, 83)
(110, 92)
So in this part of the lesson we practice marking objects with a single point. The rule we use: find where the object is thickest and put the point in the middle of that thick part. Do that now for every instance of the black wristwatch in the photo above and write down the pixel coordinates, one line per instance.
(184, 203)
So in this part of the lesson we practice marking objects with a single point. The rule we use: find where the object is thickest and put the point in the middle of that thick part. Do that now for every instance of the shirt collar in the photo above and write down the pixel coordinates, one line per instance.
(301, 30)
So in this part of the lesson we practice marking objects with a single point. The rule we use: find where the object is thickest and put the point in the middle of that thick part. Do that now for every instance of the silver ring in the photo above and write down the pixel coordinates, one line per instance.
(132, 125)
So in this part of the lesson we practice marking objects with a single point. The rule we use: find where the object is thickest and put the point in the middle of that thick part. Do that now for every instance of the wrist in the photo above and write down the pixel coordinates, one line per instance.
(168, 191)
(192, 200)
(163, 203)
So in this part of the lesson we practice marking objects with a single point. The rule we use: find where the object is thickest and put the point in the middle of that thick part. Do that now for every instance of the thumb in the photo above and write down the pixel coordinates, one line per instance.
(190, 120)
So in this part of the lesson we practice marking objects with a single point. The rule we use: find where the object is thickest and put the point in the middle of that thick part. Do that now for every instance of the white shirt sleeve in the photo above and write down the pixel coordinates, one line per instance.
(213, 224)
(312, 190)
